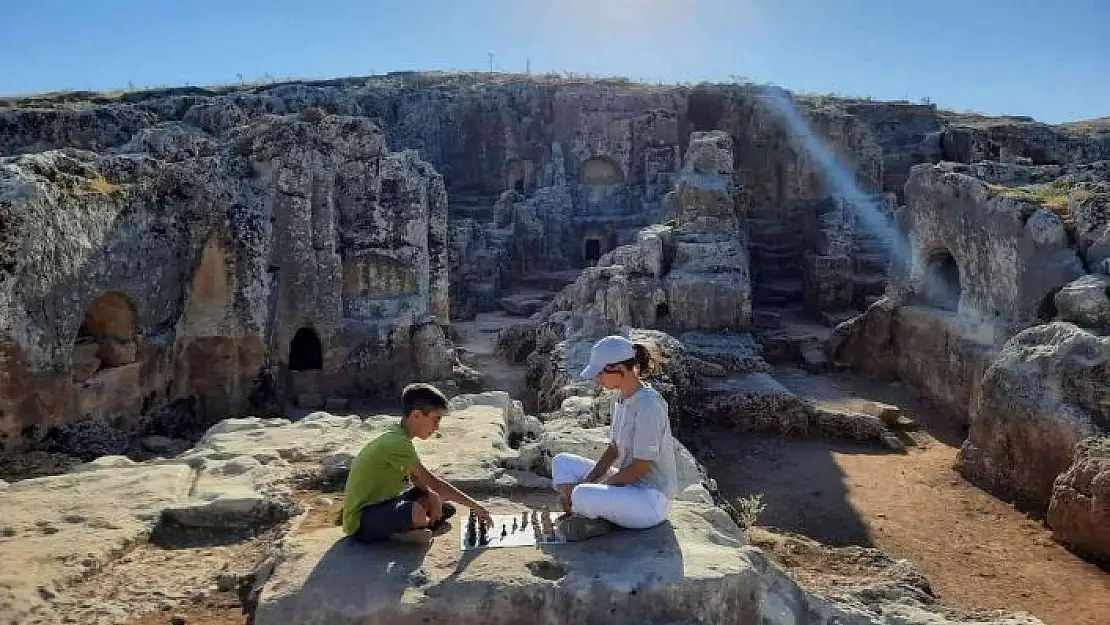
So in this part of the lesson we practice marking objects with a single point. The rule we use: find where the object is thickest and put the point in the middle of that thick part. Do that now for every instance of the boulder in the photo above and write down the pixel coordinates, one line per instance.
(1045, 392)
(1086, 302)
(941, 354)
(1089, 206)
(1079, 512)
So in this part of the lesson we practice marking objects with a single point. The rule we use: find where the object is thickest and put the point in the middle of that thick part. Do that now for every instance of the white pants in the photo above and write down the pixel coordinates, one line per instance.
(633, 507)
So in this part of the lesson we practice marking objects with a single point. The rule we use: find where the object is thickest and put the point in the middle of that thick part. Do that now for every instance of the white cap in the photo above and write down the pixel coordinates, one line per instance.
(608, 351)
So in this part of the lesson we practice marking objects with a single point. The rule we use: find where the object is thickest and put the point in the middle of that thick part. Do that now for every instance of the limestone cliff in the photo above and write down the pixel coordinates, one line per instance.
(289, 251)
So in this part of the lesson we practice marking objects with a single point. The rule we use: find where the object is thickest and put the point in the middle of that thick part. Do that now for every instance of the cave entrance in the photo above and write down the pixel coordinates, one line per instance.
(305, 352)
(592, 250)
(942, 281)
(662, 311)
(106, 337)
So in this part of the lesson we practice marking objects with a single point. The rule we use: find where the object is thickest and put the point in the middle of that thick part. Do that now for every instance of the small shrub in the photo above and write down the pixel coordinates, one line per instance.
(748, 509)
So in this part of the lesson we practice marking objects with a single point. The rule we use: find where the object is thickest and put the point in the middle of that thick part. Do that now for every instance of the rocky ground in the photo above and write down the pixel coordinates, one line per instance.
(244, 523)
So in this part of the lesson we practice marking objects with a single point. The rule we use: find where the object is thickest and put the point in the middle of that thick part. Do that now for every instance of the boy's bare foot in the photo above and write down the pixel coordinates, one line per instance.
(421, 536)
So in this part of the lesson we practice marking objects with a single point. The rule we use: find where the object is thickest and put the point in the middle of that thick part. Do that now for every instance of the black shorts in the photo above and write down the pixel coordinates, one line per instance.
(379, 521)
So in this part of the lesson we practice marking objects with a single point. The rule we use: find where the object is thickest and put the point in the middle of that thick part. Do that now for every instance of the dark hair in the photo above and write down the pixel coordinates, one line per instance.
(422, 397)
(647, 358)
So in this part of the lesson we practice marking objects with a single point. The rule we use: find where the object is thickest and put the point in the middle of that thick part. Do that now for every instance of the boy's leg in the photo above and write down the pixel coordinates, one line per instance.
(420, 496)
(391, 518)
(632, 507)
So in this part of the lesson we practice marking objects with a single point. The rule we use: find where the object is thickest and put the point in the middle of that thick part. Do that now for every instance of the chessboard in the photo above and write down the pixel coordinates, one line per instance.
(528, 528)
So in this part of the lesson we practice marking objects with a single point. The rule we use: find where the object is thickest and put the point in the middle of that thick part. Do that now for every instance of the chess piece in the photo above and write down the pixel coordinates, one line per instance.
(548, 528)
(471, 532)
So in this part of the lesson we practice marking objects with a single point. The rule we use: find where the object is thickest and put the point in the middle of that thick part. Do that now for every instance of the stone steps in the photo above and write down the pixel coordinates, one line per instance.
(774, 301)
(869, 283)
(775, 273)
(833, 318)
(786, 288)
(775, 249)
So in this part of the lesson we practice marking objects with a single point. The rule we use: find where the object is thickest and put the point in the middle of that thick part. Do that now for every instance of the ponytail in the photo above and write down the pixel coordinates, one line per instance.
(647, 358)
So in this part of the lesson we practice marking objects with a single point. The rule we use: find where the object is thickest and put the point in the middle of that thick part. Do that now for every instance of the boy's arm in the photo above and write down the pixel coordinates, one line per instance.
(425, 479)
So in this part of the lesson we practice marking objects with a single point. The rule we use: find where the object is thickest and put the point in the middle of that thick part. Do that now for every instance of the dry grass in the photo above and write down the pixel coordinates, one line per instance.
(1052, 196)
(103, 186)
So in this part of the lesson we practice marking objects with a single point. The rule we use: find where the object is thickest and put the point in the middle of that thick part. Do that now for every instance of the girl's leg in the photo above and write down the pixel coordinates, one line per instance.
(632, 507)
(567, 470)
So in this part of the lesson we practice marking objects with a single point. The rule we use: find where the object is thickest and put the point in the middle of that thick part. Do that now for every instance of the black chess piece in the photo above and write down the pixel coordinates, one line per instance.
(471, 533)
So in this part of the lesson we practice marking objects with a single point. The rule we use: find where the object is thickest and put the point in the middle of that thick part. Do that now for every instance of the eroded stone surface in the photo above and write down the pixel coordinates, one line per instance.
(694, 568)
(1079, 512)
(57, 530)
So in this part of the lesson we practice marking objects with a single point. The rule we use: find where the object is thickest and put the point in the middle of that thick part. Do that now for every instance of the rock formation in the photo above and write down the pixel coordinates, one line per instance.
(992, 312)
(290, 252)
(1045, 392)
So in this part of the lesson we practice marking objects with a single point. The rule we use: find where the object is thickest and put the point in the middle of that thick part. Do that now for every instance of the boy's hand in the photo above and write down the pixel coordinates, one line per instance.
(482, 513)
(435, 506)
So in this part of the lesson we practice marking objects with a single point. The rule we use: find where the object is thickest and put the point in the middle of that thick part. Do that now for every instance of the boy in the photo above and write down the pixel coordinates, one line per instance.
(376, 505)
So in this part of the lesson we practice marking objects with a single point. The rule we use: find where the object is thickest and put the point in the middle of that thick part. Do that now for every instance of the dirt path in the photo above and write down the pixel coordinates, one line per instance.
(978, 552)
(477, 341)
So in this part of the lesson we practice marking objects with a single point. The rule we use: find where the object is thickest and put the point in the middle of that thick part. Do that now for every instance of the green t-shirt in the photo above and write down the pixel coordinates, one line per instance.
(377, 473)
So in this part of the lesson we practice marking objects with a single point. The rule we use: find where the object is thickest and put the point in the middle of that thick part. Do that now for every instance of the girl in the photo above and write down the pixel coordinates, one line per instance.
(631, 485)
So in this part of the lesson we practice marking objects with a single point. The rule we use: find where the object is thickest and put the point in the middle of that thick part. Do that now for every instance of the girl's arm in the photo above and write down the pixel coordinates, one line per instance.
(608, 457)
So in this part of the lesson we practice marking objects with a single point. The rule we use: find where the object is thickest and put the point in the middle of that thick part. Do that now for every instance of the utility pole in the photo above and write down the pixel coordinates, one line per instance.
(490, 62)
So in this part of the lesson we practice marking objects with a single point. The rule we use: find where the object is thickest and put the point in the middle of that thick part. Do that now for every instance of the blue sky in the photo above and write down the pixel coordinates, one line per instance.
(1046, 58)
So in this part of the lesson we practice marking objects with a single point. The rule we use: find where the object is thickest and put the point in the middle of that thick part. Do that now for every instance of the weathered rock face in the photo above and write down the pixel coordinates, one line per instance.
(1079, 512)
(969, 139)
(591, 165)
(1044, 393)
(295, 246)
(990, 259)
(940, 354)
(1089, 205)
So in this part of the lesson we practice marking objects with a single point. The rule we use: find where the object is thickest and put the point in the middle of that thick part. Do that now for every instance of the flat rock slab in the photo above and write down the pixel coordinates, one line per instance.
(470, 448)
(57, 530)
(690, 566)
(754, 402)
